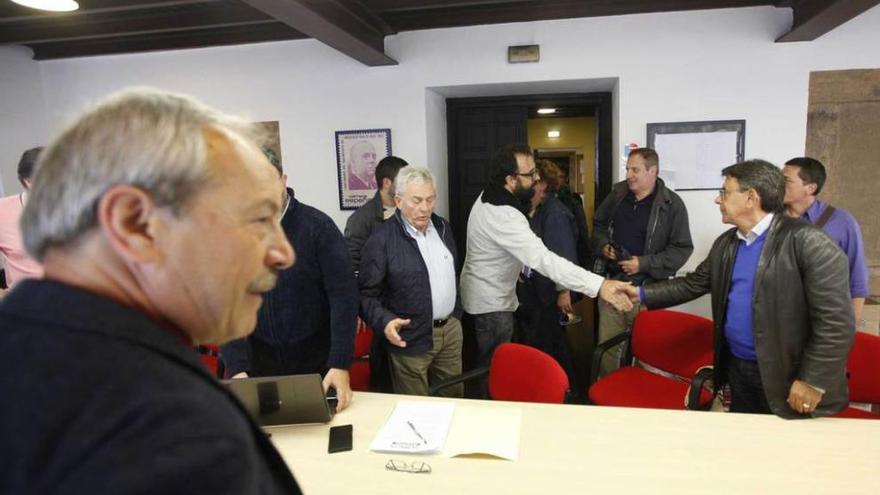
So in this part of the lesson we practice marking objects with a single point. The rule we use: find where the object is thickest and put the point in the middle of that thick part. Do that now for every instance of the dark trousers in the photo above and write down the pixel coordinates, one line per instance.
(746, 389)
(539, 328)
(491, 330)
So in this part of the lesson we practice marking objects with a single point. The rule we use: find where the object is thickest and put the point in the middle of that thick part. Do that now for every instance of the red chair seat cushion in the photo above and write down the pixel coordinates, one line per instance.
(636, 387)
(853, 413)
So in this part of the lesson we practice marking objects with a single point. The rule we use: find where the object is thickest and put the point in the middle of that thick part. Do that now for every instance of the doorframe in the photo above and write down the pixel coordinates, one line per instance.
(600, 101)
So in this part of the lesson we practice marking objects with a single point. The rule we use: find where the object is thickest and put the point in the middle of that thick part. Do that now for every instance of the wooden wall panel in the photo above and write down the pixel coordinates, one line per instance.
(843, 132)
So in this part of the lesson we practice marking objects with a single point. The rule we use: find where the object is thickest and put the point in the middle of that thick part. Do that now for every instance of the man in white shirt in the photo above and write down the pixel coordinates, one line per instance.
(408, 289)
(500, 242)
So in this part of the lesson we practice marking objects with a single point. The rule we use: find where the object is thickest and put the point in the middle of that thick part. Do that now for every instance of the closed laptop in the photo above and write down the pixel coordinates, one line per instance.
(283, 400)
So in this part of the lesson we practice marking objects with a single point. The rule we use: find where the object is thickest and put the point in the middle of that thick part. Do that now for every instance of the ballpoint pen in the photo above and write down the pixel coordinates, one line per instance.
(413, 428)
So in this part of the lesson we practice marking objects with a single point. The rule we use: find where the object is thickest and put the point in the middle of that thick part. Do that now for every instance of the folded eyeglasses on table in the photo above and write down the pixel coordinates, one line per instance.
(407, 466)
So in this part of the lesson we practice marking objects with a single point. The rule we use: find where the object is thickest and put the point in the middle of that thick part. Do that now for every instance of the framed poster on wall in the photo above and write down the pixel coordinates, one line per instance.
(692, 154)
(357, 153)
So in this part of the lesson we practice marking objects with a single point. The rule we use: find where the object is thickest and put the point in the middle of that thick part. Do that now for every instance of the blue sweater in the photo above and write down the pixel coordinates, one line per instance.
(738, 321)
(307, 322)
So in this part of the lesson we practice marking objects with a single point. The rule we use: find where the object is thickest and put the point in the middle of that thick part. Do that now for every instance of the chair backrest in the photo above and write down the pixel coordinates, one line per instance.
(672, 341)
(359, 373)
(210, 357)
(363, 338)
(863, 366)
(524, 374)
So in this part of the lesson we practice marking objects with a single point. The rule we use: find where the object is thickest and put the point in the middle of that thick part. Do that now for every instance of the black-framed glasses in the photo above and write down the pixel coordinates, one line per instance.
(533, 173)
(415, 467)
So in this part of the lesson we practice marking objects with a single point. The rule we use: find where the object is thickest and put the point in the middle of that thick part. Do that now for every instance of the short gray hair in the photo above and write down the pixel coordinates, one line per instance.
(411, 175)
(762, 176)
(141, 137)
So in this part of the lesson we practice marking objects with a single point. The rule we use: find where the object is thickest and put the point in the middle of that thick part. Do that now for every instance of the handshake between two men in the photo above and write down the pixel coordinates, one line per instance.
(618, 294)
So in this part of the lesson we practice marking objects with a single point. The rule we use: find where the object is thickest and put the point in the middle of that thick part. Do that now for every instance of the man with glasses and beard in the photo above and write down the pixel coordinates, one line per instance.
(500, 242)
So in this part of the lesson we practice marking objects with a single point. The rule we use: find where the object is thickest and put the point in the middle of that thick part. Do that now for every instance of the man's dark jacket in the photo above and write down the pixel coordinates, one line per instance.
(555, 224)
(802, 316)
(97, 398)
(668, 243)
(360, 226)
(307, 322)
(394, 283)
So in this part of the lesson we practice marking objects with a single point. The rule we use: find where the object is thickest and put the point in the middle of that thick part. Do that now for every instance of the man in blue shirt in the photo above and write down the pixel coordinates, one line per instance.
(804, 178)
(780, 301)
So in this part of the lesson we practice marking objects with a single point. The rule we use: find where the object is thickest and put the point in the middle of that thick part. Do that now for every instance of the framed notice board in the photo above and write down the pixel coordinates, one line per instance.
(692, 154)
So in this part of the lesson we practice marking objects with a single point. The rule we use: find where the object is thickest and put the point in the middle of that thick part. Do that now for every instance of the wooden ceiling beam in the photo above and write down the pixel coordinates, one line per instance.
(45, 29)
(341, 24)
(166, 41)
(428, 14)
(813, 18)
(10, 12)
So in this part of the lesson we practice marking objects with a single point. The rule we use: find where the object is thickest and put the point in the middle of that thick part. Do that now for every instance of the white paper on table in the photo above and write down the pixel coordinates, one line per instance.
(485, 431)
(415, 427)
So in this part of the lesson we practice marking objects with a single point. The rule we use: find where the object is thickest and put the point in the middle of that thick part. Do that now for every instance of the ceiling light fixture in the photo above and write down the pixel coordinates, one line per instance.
(553, 134)
(545, 111)
(53, 5)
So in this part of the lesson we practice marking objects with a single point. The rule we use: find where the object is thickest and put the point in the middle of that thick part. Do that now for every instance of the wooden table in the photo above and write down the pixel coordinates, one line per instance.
(575, 449)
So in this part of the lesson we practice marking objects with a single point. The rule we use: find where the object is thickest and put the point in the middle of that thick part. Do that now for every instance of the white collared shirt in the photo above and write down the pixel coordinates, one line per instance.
(756, 231)
(499, 243)
(441, 268)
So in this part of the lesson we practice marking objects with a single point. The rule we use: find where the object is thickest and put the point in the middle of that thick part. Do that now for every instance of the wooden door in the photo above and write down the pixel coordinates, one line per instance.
(478, 132)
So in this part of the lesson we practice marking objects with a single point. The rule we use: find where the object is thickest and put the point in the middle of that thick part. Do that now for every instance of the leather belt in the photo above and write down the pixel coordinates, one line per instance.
(440, 323)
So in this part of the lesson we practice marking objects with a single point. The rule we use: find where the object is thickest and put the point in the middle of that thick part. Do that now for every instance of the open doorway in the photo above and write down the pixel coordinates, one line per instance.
(477, 126)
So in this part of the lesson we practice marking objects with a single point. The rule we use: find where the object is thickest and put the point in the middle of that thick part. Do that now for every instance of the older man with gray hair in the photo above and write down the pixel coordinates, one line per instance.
(157, 221)
(409, 290)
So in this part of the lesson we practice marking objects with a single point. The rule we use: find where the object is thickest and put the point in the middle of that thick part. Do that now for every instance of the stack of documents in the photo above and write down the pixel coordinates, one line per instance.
(416, 427)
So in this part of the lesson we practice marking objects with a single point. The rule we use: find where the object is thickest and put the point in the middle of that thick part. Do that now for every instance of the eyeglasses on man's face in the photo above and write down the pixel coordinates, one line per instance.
(724, 193)
(532, 173)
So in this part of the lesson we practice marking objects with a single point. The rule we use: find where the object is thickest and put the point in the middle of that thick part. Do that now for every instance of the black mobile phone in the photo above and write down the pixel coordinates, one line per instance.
(340, 439)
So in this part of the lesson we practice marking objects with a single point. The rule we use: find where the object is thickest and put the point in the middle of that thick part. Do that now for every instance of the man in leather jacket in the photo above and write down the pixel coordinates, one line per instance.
(780, 301)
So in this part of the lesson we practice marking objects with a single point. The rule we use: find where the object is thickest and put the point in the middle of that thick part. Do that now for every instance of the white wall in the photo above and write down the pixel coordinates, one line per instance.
(22, 113)
(704, 65)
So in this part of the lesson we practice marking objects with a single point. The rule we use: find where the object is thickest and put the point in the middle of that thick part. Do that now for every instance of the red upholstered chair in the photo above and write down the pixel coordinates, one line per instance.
(863, 368)
(674, 343)
(359, 373)
(524, 374)
(519, 373)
